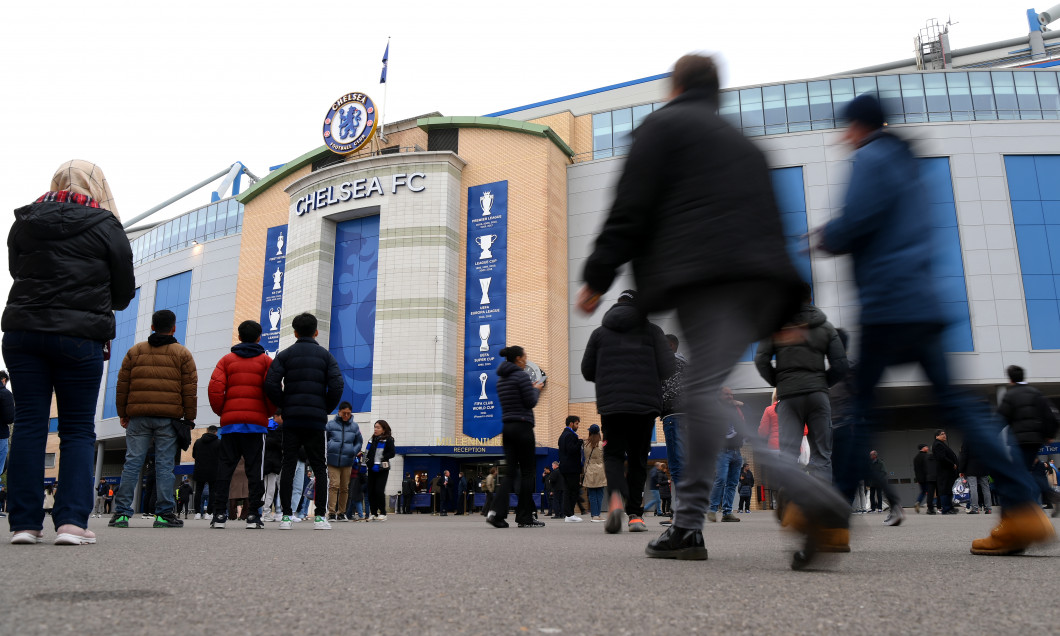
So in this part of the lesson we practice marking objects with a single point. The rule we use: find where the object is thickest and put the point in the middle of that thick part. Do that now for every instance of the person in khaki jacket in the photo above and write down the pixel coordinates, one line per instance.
(157, 387)
(594, 478)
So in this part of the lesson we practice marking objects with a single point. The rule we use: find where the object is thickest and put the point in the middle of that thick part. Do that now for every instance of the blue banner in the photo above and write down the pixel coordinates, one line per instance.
(272, 287)
(486, 306)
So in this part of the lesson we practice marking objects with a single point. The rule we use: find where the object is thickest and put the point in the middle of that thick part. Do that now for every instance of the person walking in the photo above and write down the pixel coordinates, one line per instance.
(305, 381)
(595, 478)
(1032, 421)
(71, 268)
(880, 489)
(184, 492)
(921, 470)
(377, 456)
(553, 484)
(973, 470)
(344, 449)
(728, 462)
(651, 488)
(101, 497)
(408, 489)
(627, 357)
(207, 455)
(662, 482)
(570, 467)
(518, 396)
(946, 465)
(237, 395)
(157, 390)
(886, 226)
(490, 486)
(672, 414)
(747, 484)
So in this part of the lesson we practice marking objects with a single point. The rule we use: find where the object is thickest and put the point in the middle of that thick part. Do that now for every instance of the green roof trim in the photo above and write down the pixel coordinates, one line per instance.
(496, 123)
(276, 175)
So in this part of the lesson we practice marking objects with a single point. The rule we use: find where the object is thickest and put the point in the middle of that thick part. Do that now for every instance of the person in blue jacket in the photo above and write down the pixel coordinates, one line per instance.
(344, 445)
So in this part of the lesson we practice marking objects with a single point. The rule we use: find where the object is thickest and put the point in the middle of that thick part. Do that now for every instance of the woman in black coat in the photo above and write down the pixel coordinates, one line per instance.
(518, 395)
(377, 456)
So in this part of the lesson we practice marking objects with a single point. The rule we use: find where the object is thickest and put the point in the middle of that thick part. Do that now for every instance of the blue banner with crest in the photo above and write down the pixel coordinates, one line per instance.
(272, 287)
(486, 306)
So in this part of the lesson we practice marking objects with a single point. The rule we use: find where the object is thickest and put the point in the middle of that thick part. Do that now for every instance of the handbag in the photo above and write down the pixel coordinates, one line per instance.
(182, 428)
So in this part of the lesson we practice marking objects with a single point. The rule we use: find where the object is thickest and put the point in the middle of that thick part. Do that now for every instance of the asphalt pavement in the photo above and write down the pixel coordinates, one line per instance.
(421, 575)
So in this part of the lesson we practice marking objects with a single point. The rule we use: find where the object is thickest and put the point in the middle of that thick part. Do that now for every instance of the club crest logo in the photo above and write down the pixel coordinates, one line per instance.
(350, 123)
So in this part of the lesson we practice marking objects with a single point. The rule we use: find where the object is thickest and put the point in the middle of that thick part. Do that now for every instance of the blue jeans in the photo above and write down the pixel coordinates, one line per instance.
(654, 502)
(596, 500)
(40, 363)
(887, 345)
(675, 448)
(730, 462)
(138, 436)
(3, 453)
(298, 486)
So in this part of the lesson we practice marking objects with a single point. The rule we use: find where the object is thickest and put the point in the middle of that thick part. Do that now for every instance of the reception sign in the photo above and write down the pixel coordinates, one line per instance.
(272, 288)
(485, 320)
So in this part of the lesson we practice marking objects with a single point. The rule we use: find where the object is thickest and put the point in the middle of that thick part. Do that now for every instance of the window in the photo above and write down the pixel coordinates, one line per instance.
(174, 293)
(751, 111)
(1005, 95)
(960, 96)
(982, 96)
(913, 98)
(124, 339)
(622, 130)
(211, 221)
(1027, 96)
(938, 106)
(49, 460)
(602, 146)
(842, 94)
(1048, 96)
(863, 85)
(821, 105)
(891, 98)
(639, 113)
(776, 118)
(729, 108)
(798, 107)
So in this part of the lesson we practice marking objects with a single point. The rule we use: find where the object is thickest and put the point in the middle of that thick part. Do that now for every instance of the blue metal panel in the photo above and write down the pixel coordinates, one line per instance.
(1038, 286)
(1048, 169)
(353, 304)
(1033, 249)
(174, 293)
(1022, 179)
(1044, 318)
(124, 339)
(1028, 213)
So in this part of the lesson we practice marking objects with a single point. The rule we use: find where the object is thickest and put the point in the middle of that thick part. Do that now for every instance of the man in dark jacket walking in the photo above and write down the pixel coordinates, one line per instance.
(628, 358)
(344, 448)
(207, 453)
(570, 466)
(926, 477)
(802, 382)
(305, 381)
(946, 464)
(1032, 421)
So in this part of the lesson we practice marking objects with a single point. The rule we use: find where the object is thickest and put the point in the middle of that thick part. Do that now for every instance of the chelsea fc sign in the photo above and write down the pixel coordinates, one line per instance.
(350, 123)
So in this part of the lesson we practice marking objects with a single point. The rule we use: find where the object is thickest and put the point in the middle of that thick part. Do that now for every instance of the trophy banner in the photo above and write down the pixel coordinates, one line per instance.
(485, 306)
(272, 283)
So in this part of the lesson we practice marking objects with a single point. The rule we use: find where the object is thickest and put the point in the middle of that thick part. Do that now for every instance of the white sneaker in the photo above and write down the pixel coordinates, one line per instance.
(381, 518)
(321, 523)
(268, 517)
(573, 519)
(373, 518)
(296, 519)
(285, 523)
(198, 516)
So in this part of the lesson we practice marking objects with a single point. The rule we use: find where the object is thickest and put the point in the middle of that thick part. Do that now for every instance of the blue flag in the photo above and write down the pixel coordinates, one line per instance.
(386, 55)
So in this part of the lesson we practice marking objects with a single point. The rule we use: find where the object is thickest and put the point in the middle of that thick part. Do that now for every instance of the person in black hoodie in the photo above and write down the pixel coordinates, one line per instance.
(207, 455)
(946, 463)
(71, 265)
(305, 381)
(628, 358)
(518, 396)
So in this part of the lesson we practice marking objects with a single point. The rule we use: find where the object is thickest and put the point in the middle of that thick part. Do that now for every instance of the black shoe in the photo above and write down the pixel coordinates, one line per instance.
(342, 517)
(168, 520)
(496, 521)
(331, 517)
(533, 523)
(444, 514)
(119, 521)
(678, 543)
(254, 522)
(931, 512)
(218, 521)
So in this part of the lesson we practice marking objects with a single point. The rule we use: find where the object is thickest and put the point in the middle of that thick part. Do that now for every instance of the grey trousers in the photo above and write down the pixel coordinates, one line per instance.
(813, 410)
(719, 324)
(974, 484)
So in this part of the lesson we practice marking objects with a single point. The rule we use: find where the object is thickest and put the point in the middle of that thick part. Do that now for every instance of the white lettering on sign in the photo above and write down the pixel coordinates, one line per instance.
(358, 189)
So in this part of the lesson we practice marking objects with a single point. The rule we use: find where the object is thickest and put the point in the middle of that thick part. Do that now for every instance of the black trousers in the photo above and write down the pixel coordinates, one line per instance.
(555, 503)
(519, 457)
(315, 444)
(628, 437)
(377, 491)
(182, 507)
(200, 488)
(945, 486)
(745, 503)
(875, 498)
(931, 490)
(488, 505)
(571, 492)
(250, 447)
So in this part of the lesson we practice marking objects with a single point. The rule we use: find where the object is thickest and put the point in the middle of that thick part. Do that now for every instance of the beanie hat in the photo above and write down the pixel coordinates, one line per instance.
(594, 429)
(628, 296)
(865, 109)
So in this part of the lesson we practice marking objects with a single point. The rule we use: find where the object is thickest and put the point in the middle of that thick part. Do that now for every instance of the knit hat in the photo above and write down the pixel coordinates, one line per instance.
(865, 109)
(84, 177)
(628, 296)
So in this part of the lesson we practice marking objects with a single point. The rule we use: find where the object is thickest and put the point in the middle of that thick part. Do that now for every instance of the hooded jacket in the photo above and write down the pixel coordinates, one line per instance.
(72, 268)
(157, 379)
(1028, 414)
(800, 367)
(628, 358)
(305, 381)
(207, 453)
(516, 393)
(344, 442)
(237, 391)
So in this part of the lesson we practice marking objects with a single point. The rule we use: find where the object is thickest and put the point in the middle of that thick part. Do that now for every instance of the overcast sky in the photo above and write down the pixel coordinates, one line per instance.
(163, 96)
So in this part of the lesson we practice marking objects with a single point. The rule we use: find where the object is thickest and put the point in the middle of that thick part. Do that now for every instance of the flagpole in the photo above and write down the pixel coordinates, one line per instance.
(386, 88)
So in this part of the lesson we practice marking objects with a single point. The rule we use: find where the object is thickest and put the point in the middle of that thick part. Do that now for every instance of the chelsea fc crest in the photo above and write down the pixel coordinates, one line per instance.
(350, 123)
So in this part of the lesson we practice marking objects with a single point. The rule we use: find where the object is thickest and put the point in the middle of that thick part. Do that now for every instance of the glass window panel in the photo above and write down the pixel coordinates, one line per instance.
(211, 220)
(891, 98)
(167, 241)
(239, 218)
(751, 112)
(864, 85)
(729, 108)
(821, 105)
(1027, 95)
(913, 98)
(200, 225)
(1048, 95)
(776, 117)
(938, 105)
(842, 93)
(1005, 95)
(233, 216)
(601, 136)
(182, 233)
(960, 96)
(982, 95)
(657, 105)
(798, 107)
(639, 113)
(622, 125)
(152, 243)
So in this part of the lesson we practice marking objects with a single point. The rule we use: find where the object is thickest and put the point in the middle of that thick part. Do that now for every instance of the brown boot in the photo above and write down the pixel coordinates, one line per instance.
(1018, 529)
(828, 539)
(833, 540)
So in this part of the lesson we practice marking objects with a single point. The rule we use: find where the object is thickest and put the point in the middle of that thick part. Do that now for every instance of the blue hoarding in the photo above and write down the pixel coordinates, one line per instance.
(485, 302)
(272, 287)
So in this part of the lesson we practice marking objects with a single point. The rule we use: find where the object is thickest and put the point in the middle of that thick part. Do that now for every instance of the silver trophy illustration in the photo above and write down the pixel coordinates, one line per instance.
(482, 378)
(485, 242)
(276, 276)
(486, 201)
(279, 245)
(484, 283)
(484, 335)
(274, 318)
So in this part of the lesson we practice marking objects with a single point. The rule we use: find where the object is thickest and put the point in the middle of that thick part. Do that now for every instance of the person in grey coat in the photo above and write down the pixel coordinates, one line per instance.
(802, 382)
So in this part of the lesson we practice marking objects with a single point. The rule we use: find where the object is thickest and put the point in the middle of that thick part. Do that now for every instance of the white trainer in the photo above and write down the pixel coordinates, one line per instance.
(285, 523)
(321, 523)
(198, 516)
(572, 519)
(381, 518)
